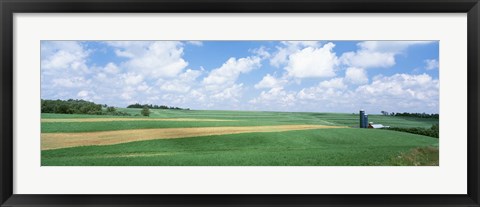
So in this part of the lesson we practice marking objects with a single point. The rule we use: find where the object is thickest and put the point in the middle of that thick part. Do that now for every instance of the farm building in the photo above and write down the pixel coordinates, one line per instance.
(363, 119)
(376, 126)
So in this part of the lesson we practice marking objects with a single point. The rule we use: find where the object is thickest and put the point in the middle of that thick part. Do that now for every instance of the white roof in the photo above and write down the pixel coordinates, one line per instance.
(376, 126)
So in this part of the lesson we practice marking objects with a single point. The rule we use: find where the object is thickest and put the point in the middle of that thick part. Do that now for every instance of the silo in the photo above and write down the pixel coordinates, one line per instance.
(362, 114)
(365, 121)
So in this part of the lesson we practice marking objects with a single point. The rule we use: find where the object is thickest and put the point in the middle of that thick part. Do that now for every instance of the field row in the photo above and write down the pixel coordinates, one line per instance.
(63, 140)
(53, 123)
(316, 147)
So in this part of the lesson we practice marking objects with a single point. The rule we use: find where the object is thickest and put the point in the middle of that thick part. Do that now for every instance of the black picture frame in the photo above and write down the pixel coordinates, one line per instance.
(9, 7)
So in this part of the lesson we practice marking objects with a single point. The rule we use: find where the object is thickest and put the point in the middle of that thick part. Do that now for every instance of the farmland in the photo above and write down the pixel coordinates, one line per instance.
(231, 138)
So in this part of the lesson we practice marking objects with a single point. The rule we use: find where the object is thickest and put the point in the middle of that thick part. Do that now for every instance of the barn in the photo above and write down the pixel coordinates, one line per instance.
(376, 126)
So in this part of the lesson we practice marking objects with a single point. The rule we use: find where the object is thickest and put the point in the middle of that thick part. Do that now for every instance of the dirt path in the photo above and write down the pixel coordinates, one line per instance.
(63, 140)
(128, 119)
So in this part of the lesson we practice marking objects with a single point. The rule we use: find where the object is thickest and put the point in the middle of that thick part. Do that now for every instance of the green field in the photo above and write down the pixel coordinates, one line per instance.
(349, 146)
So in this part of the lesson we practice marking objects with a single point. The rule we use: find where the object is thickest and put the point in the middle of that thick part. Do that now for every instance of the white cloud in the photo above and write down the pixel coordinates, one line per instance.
(197, 95)
(66, 73)
(129, 93)
(182, 83)
(269, 81)
(132, 78)
(220, 85)
(227, 74)
(402, 91)
(280, 57)
(63, 69)
(232, 93)
(390, 46)
(156, 59)
(336, 83)
(368, 59)
(126, 95)
(63, 55)
(82, 94)
(129, 49)
(313, 62)
(300, 44)
(261, 52)
(325, 90)
(377, 54)
(70, 82)
(111, 68)
(143, 87)
(196, 43)
(431, 64)
(275, 97)
(396, 93)
(356, 75)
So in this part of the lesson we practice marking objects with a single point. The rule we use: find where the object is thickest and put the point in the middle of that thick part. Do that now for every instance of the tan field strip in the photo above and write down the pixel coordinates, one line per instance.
(63, 140)
(128, 119)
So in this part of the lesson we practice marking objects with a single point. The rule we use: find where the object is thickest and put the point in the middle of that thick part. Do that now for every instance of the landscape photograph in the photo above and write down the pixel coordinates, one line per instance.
(239, 103)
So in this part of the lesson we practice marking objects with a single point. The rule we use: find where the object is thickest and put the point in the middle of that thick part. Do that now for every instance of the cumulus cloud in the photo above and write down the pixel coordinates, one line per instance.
(368, 59)
(287, 48)
(399, 92)
(324, 90)
(269, 81)
(313, 62)
(390, 46)
(431, 64)
(377, 54)
(82, 94)
(196, 43)
(111, 68)
(306, 76)
(63, 56)
(63, 66)
(228, 73)
(182, 83)
(220, 86)
(132, 78)
(231, 93)
(154, 59)
(261, 52)
(275, 97)
(356, 75)
(336, 83)
(402, 91)
(87, 95)
(420, 87)
(70, 82)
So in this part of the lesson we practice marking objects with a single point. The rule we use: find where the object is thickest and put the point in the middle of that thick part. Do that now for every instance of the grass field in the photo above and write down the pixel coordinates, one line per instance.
(232, 138)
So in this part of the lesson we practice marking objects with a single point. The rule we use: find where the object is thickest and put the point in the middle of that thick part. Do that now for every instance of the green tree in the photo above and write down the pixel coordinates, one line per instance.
(145, 111)
(111, 109)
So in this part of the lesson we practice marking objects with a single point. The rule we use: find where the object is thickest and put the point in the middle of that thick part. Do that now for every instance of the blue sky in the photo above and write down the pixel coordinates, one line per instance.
(315, 76)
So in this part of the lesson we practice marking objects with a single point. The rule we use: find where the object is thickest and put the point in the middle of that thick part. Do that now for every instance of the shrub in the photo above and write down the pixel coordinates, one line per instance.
(145, 111)
(431, 132)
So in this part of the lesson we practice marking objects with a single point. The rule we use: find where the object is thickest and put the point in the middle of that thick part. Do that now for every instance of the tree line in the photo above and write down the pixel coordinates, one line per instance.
(431, 132)
(78, 106)
(150, 106)
(406, 114)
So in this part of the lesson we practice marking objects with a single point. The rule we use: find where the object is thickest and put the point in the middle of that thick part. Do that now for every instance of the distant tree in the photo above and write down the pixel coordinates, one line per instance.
(418, 115)
(110, 109)
(431, 132)
(151, 106)
(145, 111)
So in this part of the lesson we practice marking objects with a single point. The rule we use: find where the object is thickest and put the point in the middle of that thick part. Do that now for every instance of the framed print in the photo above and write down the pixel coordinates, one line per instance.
(199, 103)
